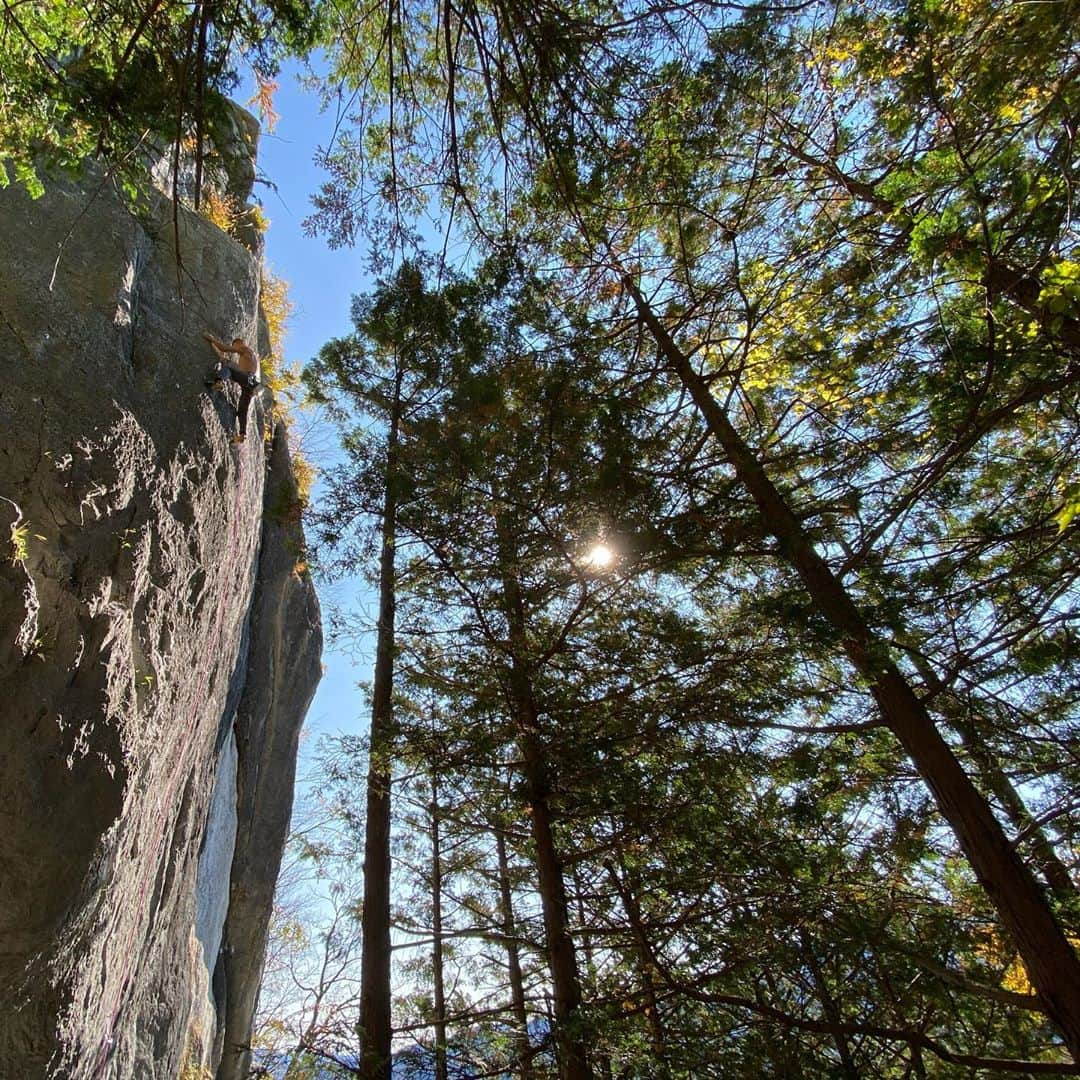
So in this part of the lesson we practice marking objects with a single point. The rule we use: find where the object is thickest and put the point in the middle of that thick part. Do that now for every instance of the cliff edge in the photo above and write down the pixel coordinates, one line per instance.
(159, 643)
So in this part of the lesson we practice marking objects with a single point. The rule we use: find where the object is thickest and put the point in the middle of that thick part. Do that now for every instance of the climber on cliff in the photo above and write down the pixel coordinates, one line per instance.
(244, 371)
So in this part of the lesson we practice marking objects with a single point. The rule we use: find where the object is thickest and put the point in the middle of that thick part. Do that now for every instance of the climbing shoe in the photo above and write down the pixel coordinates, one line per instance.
(234, 439)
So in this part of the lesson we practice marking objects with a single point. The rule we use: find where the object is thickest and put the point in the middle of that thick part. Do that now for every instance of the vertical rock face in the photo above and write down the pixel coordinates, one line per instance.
(159, 644)
(278, 680)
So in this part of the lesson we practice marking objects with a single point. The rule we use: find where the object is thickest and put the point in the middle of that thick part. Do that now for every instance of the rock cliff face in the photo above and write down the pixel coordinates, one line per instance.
(159, 645)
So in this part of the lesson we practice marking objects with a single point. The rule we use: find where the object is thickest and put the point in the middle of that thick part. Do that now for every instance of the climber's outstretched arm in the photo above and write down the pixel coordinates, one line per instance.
(220, 346)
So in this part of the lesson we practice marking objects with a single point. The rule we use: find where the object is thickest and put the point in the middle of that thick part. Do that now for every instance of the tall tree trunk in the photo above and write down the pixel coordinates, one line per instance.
(1051, 963)
(374, 1028)
(438, 989)
(513, 961)
(562, 960)
(600, 1055)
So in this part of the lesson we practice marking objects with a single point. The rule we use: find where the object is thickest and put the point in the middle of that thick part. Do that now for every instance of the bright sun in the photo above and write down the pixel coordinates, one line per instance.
(599, 557)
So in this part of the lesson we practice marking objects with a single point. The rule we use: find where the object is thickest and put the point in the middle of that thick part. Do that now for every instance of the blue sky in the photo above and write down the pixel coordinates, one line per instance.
(321, 285)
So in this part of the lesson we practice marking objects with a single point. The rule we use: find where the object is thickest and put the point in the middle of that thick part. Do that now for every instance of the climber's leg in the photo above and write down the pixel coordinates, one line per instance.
(247, 391)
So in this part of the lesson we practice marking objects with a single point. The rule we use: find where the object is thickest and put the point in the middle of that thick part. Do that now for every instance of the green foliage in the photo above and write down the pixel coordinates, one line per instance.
(121, 80)
(1060, 293)
(1070, 506)
(686, 704)
(856, 225)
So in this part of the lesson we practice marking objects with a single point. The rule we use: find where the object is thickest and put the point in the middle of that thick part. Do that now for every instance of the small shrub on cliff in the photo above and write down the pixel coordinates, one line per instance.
(223, 210)
(230, 216)
(276, 309)
(304, 473)
(19, 537)
(194, 1071)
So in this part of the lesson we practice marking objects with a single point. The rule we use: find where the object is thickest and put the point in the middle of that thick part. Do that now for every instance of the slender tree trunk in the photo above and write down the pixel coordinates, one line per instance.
(205, 19)
(1051, 963)
(374, 1028)
(562, 958)
(646, 964)
(600, 1055)
(830, 1008)
(513, 961)
(566, 987)
(438, 991)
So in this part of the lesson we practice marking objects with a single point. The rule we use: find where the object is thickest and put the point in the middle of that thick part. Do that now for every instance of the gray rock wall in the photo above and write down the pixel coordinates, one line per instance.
(137, 641)
(281, 680)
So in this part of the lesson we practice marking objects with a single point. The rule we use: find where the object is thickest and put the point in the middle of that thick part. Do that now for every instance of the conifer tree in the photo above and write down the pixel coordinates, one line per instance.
(846, 240)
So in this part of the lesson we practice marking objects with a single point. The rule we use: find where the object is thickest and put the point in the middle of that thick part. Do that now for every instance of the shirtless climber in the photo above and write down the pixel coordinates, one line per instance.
(245, 372)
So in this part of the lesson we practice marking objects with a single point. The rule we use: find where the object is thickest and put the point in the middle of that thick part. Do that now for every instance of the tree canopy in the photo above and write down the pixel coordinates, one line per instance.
(118, 80)
(818, 266)
(780, 303)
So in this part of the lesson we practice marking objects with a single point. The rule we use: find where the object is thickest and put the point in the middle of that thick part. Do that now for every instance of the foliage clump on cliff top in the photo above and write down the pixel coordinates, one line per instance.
(112, 81)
